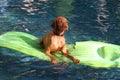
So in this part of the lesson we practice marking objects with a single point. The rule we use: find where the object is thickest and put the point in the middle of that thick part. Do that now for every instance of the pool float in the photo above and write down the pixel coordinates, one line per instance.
(91, 53)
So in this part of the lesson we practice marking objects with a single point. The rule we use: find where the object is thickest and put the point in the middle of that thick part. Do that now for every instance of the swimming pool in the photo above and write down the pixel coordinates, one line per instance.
(97, 20)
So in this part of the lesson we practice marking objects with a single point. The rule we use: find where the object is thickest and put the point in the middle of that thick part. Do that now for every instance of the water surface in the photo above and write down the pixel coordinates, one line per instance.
(97, 20)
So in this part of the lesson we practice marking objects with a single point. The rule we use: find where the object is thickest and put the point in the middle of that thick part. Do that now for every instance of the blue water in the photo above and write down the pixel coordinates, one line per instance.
(97, 20)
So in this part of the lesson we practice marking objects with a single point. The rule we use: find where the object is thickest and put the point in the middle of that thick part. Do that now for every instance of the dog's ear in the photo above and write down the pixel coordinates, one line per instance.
(54, 24)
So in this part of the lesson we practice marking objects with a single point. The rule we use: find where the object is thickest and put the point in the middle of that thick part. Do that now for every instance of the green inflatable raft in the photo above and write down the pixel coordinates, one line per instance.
(91, 53)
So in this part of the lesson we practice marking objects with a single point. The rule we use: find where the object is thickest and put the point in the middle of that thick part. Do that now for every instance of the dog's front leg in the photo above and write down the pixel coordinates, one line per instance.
(48, 53)
(66, 53)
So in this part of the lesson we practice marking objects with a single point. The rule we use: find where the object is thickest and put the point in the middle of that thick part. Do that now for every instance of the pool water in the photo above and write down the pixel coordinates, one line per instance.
(97, 20)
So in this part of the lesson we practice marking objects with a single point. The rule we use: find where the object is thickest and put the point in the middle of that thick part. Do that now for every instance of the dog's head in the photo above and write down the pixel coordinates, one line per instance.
(60, 24)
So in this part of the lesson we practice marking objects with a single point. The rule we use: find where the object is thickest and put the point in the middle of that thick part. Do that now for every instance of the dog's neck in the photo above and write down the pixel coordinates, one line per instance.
(58, 34)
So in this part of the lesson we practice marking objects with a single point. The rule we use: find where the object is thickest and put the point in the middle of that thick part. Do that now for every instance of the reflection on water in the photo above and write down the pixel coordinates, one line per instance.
(102, 15)
(65, 9)
(88, 20)
(29, 7)
(3, 5)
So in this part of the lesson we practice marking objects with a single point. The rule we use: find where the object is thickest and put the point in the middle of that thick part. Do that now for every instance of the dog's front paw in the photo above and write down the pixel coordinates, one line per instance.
(54, 62)
(76, 61)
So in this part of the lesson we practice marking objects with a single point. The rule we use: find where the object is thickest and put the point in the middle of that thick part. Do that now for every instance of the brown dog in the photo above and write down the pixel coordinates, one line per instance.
(54, 41)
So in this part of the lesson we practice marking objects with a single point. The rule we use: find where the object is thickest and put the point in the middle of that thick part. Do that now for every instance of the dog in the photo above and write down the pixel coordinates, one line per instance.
(54, 41)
